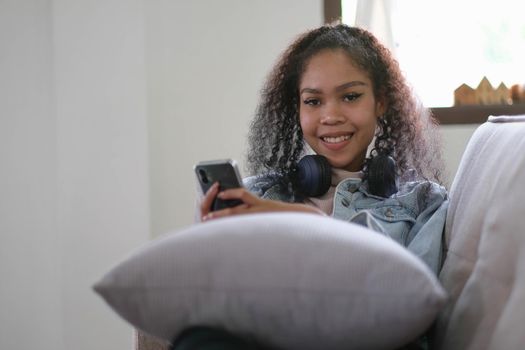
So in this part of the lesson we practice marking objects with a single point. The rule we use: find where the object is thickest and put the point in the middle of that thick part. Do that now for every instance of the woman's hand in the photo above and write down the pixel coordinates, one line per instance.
(207, 200)
(251, 204)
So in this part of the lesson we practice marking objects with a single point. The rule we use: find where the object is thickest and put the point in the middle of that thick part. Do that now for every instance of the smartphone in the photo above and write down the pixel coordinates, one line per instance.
(225, 172)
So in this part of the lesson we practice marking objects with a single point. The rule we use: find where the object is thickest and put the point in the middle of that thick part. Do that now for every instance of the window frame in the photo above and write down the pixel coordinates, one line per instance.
(474, 114)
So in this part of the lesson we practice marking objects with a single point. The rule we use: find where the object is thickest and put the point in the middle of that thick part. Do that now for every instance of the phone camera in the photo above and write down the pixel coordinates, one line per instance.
(203, 176)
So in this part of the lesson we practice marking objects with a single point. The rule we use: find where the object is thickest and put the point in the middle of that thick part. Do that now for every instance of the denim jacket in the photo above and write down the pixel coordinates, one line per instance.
(414, 216)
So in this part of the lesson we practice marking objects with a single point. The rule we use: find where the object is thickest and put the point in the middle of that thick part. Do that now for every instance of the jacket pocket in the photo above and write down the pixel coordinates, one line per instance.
(395, 220)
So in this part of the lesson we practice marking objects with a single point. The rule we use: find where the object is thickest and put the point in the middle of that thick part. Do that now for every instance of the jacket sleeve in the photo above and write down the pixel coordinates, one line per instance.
(254, 185)
(425, 238)
(267, 187)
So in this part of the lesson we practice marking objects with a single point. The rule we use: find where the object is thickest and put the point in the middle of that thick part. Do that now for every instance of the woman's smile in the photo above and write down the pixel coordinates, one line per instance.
(335, 139)
(335, 143)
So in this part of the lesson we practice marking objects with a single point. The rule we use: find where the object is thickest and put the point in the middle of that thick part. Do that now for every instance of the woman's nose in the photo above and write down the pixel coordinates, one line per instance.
(332, 115)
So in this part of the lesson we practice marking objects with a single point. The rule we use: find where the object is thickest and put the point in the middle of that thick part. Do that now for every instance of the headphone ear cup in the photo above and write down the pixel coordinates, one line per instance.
(314, 175)
(382, 176)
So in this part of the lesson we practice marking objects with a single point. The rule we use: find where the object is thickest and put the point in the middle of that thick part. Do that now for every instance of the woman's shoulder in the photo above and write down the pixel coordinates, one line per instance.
(421, 194)
(422, 186)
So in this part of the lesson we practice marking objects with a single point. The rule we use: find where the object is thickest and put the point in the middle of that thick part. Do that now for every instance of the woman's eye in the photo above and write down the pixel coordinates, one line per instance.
(312, 102)
(352, 96)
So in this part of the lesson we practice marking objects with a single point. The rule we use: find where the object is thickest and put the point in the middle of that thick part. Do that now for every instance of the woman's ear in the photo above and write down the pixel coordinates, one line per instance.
(380, 106)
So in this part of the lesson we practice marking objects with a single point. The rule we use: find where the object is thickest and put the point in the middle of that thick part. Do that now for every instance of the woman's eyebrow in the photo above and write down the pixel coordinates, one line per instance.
(350, 84)
(337, 88)
(310, 90)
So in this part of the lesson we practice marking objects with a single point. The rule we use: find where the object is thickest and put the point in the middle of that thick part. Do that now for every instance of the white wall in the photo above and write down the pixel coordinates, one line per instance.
(455, 139)
(30, 248)
(207, 61)
(103, 181)
(74, 167)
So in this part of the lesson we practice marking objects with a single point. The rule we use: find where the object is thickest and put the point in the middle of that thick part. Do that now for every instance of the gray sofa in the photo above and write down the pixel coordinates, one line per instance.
(484, 267)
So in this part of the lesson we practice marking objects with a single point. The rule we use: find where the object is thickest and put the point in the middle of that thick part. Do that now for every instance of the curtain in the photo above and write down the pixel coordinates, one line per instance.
(376, 16)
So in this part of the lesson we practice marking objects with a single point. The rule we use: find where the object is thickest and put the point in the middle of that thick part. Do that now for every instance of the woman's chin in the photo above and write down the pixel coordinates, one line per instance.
(346, 165)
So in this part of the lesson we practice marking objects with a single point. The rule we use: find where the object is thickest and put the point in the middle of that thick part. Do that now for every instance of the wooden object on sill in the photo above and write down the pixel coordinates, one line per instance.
(517, 93)
(484, 94)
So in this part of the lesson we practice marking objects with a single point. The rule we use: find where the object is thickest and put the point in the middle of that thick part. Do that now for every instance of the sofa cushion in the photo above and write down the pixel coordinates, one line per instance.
(484, 269)
(291, 280)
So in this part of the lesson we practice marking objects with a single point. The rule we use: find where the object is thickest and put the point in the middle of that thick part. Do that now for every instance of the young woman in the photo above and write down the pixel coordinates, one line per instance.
(337, 92)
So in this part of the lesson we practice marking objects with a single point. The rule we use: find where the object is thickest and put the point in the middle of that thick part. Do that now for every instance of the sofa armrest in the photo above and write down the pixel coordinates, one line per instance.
(146, 342)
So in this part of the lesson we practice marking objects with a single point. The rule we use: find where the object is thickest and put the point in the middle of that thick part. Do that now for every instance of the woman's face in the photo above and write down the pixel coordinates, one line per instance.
(337, 109)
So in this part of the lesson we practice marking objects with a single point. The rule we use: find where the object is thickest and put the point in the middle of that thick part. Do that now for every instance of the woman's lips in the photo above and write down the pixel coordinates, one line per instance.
(335, 139)
(335, 143)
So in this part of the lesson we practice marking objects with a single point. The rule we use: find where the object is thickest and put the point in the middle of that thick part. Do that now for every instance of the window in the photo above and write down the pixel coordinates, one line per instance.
(443, 44)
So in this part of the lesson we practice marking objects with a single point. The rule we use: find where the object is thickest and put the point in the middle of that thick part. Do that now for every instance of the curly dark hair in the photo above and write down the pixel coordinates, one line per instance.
(406, 131)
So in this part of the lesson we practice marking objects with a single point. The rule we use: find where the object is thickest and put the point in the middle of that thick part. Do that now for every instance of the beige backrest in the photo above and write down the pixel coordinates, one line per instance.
(484, 270)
